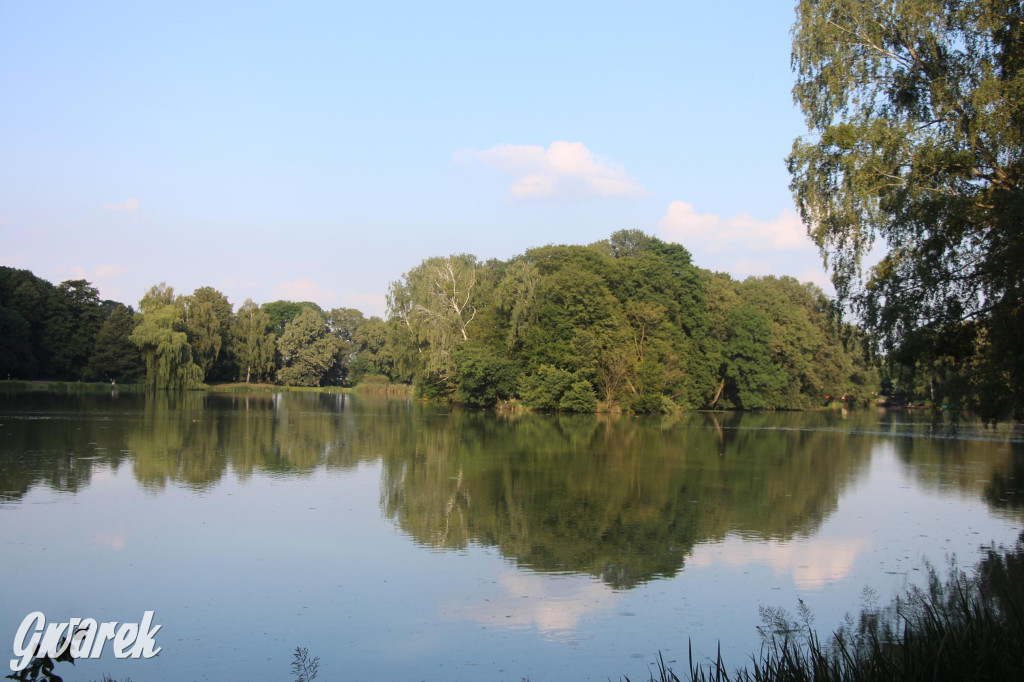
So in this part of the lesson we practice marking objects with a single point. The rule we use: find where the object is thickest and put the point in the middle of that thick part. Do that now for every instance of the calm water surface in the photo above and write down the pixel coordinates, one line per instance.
(399, 541)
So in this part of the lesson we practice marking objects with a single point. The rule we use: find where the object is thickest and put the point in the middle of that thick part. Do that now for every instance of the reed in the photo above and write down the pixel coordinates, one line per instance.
(966, 627)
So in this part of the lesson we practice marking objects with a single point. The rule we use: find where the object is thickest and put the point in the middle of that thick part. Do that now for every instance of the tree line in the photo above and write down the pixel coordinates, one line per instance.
(172, 341)
(625, 323)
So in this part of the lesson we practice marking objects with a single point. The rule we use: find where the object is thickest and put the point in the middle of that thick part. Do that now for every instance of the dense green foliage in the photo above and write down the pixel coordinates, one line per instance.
(628, 323)
(163, 340)
(63, 332)
(252, 344)
(307, 350)
(114, 356)
(916, 113)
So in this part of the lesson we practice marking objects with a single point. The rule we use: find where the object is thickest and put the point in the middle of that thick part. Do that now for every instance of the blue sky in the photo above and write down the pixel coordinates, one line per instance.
(318, 150)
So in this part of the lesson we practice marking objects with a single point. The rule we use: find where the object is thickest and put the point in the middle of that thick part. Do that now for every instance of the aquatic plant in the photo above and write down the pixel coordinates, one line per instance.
(966, 627)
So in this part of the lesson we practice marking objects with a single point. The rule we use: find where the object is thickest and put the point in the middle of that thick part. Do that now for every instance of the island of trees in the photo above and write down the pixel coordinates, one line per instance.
(625, 323)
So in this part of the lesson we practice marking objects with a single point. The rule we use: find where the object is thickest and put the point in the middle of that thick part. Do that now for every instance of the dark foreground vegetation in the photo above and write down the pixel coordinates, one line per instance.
(969, 627)
(915, 144)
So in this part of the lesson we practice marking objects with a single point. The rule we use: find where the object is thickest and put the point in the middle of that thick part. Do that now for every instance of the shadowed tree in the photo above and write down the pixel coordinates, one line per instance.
(74, 316)
(283, 312)
(344, 324)
(916, 144)
(114, 356)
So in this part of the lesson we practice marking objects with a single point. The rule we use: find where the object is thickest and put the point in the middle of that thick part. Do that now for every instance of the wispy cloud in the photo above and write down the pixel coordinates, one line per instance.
(127, 207)
(114, 540)
(304, 289)
(99, 273)
(106, 278)
(565, 170)
(229, 282)
(681, 223)
(369, 304)
(819, 277)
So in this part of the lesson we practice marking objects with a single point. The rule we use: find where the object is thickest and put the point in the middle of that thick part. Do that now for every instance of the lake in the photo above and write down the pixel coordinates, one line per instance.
(403, 541)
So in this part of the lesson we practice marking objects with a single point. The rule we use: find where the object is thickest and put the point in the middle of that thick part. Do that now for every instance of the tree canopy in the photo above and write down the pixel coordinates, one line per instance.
(627, 323)
(163, 340)
(916, 146)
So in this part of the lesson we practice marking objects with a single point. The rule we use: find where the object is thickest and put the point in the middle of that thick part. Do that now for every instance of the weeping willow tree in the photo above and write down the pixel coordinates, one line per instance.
(916, 145)
(162, 338)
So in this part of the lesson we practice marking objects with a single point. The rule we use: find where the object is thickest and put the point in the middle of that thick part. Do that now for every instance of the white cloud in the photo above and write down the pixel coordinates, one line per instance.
(744, 246)
(127, 207)
(304, 289)
(565, 170)
(682, 224)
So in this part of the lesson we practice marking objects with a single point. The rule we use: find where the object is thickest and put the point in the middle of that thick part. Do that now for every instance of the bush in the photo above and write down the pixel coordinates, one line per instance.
(433, 386)
(579, 398)
(544, 390)
(483, 377)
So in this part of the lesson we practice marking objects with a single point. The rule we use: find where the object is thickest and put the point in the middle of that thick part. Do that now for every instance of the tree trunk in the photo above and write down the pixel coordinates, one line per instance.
(718, 393)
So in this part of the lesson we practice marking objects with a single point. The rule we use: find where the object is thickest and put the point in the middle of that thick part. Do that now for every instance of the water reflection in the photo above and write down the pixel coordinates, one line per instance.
(554, 608)
(622, 499)
(812, 564)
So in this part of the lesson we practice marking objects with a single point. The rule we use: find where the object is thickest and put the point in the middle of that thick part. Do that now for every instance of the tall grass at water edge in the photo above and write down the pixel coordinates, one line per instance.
(966, 627)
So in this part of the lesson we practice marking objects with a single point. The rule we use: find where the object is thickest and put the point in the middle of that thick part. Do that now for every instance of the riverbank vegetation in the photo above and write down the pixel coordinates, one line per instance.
(968, 627)
(624, 324)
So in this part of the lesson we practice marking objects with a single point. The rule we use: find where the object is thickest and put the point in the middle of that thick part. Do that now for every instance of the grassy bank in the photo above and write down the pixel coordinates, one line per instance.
(104, 387)
(67, 386)
(275, 388)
